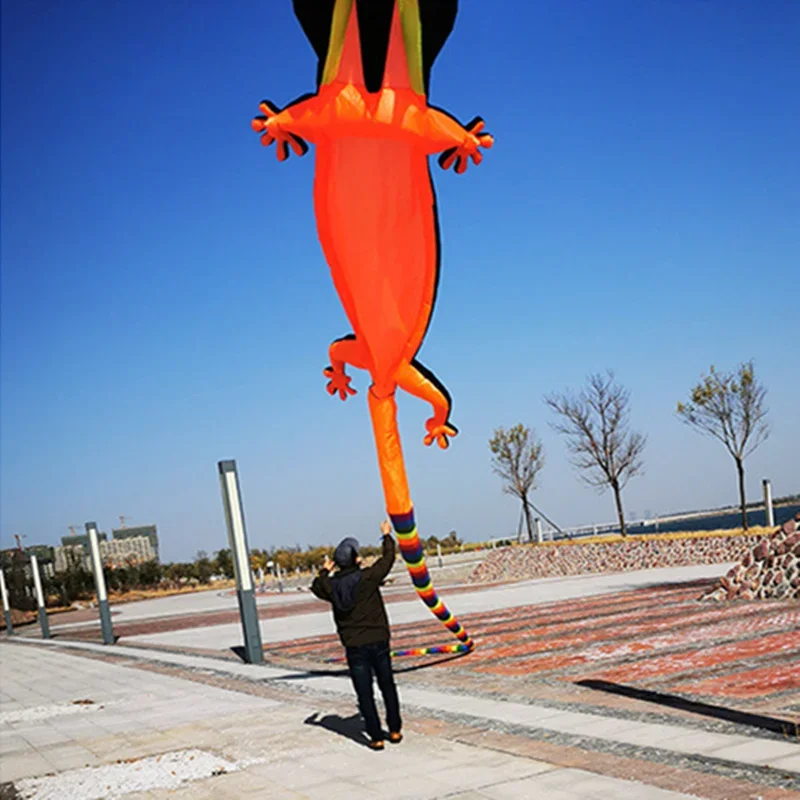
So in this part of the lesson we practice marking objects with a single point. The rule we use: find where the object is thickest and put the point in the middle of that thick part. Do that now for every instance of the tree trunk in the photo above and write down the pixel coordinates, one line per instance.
(620, 514)
(528, 518)
(742, 499)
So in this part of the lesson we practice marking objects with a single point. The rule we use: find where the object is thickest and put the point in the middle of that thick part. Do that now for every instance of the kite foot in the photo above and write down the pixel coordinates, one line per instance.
(439, 433)
(272, 131)
(470, 148)
(339, 382)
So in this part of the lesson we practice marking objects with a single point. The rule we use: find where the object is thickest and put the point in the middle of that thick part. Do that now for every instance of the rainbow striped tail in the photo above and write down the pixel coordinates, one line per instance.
(411, 550)
(383, 411)
(416, 652)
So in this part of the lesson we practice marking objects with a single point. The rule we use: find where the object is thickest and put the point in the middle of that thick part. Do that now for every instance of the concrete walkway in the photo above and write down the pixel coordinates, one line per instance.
(544, 590)
(146, 735)
(735, 749)
(213, 600)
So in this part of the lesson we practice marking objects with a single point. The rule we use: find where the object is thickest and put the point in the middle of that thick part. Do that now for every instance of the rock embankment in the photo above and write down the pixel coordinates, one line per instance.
(770, 570)
(576, 558)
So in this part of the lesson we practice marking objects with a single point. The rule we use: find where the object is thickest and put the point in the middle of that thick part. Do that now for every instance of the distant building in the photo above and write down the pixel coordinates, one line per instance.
(69, 555)
(148, 531)
(82, 540)
(45, 556)
(8, 555)
(127, 546)
(43, 552)
(74, 550)
(128, 550)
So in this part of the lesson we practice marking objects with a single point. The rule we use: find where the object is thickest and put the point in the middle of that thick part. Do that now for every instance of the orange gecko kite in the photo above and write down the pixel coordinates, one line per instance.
(376, 214)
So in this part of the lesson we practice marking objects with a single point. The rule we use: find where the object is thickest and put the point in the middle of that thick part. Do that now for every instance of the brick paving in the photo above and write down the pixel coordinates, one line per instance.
(740, 655)
(659, 638)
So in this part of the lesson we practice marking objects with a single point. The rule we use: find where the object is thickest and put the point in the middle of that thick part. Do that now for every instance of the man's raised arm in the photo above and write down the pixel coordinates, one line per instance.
(380, 569)
(321, 586)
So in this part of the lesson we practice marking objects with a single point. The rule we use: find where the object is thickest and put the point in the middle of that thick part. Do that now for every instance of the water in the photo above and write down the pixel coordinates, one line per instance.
(755, 517)
(709, 522)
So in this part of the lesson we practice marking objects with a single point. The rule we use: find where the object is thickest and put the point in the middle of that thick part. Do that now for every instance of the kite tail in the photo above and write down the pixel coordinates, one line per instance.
(401, 511)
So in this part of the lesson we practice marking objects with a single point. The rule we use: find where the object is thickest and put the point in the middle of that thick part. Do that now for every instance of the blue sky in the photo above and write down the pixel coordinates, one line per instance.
(165, 303)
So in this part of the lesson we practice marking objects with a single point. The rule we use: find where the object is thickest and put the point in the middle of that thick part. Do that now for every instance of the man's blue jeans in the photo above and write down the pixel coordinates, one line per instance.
(364, 662)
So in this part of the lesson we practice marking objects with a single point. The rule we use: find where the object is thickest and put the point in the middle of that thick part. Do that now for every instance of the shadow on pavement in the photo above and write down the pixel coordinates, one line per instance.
(782, 726)
(349, 727)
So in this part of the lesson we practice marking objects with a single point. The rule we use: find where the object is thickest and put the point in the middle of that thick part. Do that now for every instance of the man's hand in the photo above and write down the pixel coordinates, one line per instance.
(328, 564)
(386, 528)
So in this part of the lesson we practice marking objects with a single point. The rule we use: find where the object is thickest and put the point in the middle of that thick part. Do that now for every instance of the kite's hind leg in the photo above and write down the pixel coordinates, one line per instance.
(346, 350)
(419, 381)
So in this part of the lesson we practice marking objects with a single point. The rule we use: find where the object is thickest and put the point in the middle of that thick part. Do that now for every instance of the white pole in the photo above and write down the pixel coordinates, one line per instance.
(6, 606)
(538, 525)
(768, 503)
(97, 564)
(4, 591)
(37, 585)
(100, 584)
(237, 537)
(37, 581)
(236, 532)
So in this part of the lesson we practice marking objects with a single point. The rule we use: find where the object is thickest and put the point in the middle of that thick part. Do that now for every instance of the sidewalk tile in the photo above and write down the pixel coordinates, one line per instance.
(788, 763)
(26, 766)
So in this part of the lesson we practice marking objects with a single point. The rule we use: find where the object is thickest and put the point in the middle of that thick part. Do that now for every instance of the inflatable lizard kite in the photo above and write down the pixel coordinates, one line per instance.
(376, 215)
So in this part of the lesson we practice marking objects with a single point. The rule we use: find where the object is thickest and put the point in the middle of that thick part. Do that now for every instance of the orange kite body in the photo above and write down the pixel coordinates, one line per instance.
(376, 213)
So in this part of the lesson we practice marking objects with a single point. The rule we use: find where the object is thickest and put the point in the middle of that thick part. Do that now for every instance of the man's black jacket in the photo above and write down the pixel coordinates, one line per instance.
(357, 603)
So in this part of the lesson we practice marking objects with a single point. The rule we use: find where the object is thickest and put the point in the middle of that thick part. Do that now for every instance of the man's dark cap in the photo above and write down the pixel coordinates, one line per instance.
(346, 553)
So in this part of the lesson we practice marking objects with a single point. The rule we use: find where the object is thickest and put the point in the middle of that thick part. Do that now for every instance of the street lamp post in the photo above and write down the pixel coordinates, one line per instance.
(770, 514)
(37, 585)
(6, 606)
(100, 584)
(237, 537)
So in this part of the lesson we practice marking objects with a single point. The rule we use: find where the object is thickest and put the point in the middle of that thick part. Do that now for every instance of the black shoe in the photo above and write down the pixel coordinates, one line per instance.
(396, 738)
(376, 744)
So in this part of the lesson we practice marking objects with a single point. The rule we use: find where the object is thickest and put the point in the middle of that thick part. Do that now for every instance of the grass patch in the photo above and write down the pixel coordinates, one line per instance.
(133, 595)
(613, 538)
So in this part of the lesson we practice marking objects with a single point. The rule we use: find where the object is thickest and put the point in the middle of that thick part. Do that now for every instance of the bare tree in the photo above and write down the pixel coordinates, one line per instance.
(730, 407)
(596, 426)
(518, 457)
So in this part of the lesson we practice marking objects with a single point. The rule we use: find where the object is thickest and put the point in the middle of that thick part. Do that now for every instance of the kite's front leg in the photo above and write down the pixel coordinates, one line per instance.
(456, 143)
(290, 127)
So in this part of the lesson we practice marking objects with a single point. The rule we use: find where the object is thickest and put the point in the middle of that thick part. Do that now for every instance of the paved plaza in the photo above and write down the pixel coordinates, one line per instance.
(266, 748)
(652, 640)
(172, 712)
(210, 619)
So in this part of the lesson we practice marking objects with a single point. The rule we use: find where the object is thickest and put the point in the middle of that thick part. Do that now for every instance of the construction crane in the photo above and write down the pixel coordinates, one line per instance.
(122, 519)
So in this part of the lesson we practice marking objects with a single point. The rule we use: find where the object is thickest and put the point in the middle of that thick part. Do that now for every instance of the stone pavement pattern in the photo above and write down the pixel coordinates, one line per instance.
(277, 627)
(635, 553)
(275, 749)
(517, 694)
(658, 638)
